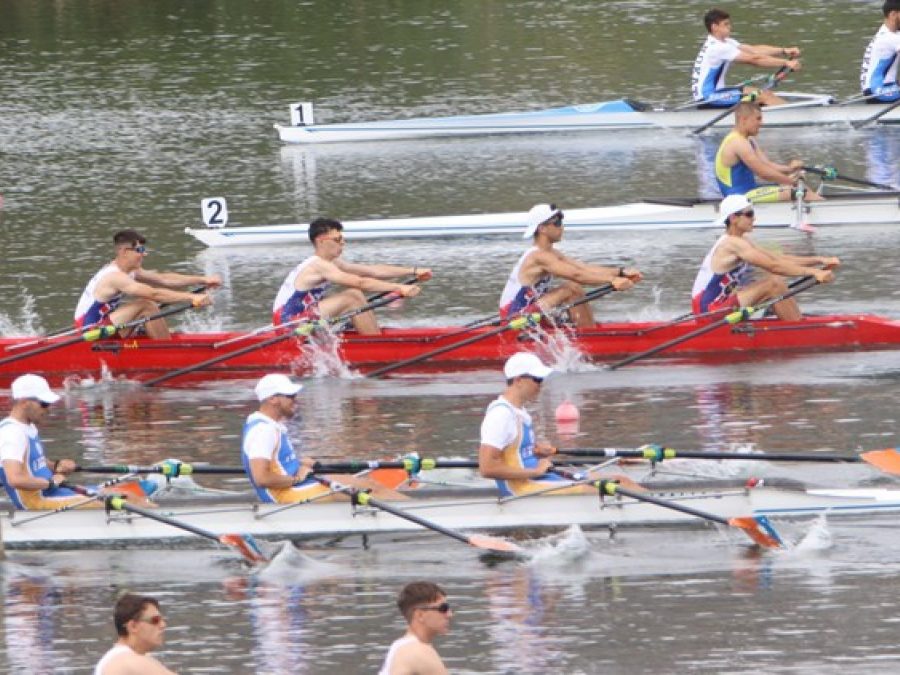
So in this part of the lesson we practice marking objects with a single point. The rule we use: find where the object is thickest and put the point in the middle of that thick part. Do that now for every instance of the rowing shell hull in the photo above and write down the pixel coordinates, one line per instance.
(481, 511)
(804, 110)
(872, 208)
(141, 358)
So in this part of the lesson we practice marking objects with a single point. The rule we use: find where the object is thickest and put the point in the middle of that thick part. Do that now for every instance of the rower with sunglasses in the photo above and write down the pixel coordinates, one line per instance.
(725, 280)
(30, 481)
(302, 293)
(103, 300)
(529, 287)
(424, 606)
(509, 451)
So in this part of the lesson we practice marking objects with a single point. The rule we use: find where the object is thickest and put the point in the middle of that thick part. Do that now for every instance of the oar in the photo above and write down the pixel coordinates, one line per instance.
(90, 497)
(732, 318)
(262, 330)
(243, 543)
(70, 330)
(745, 83)
(494, 545)
(518, 323)
(302, 331)
(879, 114)
(98, 333)
(831, 173)
(887, 459)
(770, 83)
(757, 528)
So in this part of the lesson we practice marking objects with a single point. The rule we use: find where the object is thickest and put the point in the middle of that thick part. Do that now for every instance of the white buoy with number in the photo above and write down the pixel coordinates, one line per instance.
(215, 211)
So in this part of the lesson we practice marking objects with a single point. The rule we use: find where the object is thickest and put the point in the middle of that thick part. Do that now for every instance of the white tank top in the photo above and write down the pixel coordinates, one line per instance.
(287, 286)
(392, 652)
(514, 287)
(89, 300)
(111, 654)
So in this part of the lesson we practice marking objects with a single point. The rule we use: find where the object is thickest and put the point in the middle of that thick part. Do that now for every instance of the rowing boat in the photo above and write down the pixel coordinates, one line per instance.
(470, 509)
(143, 357)
(862, 208)
(618, 115)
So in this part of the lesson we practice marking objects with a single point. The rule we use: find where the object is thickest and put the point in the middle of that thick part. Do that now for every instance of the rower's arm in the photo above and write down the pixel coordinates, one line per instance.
(174, 280)
(17, 477)
(588, 275)
(336, 275)
(491, 465)
(379, 271)
(161, 295)
(762, 58)
(263, 476)
(771, 262)
(760, 164)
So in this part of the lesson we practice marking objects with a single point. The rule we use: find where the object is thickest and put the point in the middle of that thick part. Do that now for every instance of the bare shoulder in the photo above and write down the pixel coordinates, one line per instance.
(417, 658)
(135, 664)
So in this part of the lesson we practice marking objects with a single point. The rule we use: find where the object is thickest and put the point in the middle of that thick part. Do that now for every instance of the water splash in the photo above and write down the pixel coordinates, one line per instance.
(289, 565)
(562, 549)
(817, 538)
(320, 356)
(27, 323)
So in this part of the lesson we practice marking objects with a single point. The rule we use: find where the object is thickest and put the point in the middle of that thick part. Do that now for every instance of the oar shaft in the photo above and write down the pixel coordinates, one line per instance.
(660, 454)
(611, 488)
(365, 499)
(773, 80)
(119, 504)
(876, 116)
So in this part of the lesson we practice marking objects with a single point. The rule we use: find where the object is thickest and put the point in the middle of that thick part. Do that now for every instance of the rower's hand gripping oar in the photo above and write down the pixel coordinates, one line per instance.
(881, 113)
(770, 83)
(493, 545)
(303, 331)
(757, 528)
(732, 318)
(519, 323)
(831, 173)
(99, 332)
(242, 543)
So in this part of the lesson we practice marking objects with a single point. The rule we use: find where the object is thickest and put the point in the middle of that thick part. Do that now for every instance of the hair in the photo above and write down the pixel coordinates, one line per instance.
(321, 226)
(128, 237)
(128, 607)
(890, 6)
(415, 594)
(714, 16)
(746, 108)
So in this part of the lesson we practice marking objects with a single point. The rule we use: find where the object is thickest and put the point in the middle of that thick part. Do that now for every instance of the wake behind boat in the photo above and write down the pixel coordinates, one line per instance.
(861, 208)
(141, 357)
(616, 115)
(466, 509)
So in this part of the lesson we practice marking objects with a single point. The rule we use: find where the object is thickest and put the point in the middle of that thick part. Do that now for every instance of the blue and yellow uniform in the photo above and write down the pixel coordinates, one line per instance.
(740, 179)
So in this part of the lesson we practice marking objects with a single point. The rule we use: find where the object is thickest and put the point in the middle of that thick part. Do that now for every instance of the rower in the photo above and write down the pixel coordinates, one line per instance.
(301, 295)
(102, 302)
(509, 452)
(716, 56)
(275, 471)
(740, 159)
(879, 76)
(724, 280)
(528, 288)
(30, 481)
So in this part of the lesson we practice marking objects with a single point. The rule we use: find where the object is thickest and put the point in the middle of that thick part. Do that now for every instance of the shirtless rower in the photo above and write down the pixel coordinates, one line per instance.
(302, 293)
(717, 54)
(740, 159)
(724, 279)
(141, 628)
(424, 606)
(879, 76)
(102, 301)
(529, 285)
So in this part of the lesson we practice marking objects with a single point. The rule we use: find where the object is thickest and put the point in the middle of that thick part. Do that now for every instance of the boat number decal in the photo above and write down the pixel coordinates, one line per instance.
(132, 344)
(215, 211)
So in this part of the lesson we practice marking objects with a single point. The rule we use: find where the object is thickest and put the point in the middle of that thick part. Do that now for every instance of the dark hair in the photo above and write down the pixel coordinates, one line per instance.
(714, 16)
(415, 594)
(890, 6)
(130, 237)
(321, 226)
(129, 607)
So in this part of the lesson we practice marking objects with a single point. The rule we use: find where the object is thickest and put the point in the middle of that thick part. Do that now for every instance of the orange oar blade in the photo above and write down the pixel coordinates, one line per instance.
(759, 529)
(888, 460)
(246, 546)
(389, 478)
(494, 544)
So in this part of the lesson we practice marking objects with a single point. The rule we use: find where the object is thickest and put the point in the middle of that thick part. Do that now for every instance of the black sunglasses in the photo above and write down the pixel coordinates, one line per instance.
(748, 212)
(443, 608)
(44, 404)
(535, 379)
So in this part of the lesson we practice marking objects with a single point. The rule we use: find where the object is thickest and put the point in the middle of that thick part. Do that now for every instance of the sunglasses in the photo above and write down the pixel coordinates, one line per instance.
(749, 213)
(154, 620)
(338, 239)
(293, 397)
(139, 249)
(44, 404)
(535, 379)
(443, 608)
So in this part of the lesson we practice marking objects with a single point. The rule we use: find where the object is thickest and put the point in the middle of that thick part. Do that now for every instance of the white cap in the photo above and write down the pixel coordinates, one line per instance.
(33, 386)
(274, 384)
(525, 363)
(731, 205)
(537, 216)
